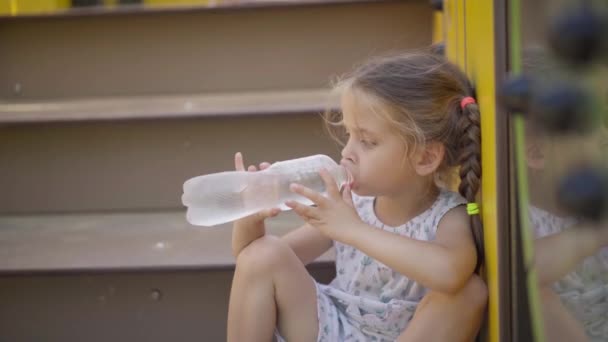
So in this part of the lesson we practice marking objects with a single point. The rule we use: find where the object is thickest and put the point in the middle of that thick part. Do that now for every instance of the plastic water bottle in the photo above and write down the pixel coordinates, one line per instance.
(227, 196)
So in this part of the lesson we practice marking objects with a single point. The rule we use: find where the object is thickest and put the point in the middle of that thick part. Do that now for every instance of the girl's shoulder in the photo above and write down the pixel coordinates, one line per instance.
(446, 201)
(449, 199)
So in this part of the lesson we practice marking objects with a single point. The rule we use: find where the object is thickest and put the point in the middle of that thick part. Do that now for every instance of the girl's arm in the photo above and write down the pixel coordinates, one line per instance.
(308, 243)
(249, 229)
(442, 265)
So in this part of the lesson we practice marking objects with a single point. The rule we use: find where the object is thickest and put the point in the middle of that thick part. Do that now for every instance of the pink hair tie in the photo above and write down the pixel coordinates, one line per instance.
(466, 101)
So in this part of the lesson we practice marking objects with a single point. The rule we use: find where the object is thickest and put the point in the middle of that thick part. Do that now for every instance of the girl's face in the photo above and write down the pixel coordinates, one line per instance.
(374, 153)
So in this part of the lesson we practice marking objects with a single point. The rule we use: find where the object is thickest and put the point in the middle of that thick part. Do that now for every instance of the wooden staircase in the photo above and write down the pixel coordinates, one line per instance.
(104, 115)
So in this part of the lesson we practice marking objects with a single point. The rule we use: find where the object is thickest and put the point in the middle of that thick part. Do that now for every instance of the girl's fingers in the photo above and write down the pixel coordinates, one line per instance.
(330, 184)
(261, 215)
(239, 165)
(347, 196)
(304, 211)
(238, 162)
(312, 195)
(272, 212)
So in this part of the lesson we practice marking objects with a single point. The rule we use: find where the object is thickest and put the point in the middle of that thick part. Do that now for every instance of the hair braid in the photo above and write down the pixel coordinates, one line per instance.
(470, 168)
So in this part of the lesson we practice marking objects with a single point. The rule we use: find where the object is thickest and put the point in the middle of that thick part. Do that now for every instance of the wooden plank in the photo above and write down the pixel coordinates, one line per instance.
(139, 165)
(152, 107)
(205, 52)
(217, 5)
(120, 241)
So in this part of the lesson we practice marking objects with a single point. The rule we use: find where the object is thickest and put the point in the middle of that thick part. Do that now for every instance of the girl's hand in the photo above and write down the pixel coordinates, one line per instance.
(258, 218)
(334, 215)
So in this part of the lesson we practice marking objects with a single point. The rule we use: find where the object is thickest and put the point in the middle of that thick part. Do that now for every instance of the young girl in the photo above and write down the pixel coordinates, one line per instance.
(406, 250)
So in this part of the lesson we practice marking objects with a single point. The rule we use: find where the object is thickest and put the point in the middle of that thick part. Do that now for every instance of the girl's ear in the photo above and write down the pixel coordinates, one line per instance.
(429, 158)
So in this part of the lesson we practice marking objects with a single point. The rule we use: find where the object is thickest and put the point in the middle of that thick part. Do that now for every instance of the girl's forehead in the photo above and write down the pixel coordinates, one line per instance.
(358, 114)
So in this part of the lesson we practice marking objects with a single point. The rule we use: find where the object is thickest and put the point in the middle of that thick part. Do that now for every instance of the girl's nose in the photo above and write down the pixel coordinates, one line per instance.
(348, 153)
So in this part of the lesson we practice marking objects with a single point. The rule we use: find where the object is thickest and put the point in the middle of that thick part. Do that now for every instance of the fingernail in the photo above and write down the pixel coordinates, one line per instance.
(293, 186)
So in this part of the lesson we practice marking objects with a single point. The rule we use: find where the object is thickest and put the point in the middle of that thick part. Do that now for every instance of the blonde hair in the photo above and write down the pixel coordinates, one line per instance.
(420, 94)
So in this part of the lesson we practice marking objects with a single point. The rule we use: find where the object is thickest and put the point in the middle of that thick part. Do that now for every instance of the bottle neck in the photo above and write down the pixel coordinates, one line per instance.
(341, 175)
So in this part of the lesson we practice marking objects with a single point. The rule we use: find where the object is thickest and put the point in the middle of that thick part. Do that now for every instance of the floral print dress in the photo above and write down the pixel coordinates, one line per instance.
(368, 301)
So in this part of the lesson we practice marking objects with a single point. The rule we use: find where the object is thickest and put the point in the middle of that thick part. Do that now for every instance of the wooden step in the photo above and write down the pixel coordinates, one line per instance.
(143, 305)
(268, 48)
(296, 101)
(147, 276)
(165, 7)
(105, 242)
(139, 165)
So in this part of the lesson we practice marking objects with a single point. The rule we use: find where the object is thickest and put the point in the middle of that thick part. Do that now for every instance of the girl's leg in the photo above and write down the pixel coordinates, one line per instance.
(271, 287)
(444, 317)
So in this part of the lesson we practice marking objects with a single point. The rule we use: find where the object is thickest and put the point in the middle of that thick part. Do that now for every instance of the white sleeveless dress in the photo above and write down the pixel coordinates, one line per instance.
(367, 301)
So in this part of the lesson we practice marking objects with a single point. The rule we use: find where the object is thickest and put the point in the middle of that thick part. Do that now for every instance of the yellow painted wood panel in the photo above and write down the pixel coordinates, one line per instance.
(16, 7)
(480, 62)
(438, 31)
(470, 42)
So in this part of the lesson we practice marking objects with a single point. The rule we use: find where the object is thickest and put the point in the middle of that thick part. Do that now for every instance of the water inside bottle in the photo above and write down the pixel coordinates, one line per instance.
(311, 179)
(225, 197)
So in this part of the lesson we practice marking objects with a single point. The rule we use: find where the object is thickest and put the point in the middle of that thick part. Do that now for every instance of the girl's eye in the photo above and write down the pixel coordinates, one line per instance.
(367, 143)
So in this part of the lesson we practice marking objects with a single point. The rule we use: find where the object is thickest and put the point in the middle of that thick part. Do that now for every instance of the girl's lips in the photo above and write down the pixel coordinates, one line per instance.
(350, 180)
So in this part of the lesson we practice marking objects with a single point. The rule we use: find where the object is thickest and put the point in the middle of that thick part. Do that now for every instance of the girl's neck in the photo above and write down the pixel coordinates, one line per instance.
(398, 208)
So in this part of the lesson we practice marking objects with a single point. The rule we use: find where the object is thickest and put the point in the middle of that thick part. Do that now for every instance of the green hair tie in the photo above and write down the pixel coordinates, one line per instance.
(472, 208)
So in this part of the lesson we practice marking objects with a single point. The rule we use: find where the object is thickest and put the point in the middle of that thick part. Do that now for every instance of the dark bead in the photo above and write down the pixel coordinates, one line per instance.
(515, 94)
(562, 109)
(578, 37)
(437, 5)
(583, 192)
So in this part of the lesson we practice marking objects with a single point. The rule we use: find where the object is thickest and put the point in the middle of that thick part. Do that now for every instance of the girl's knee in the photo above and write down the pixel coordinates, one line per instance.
(263, 255)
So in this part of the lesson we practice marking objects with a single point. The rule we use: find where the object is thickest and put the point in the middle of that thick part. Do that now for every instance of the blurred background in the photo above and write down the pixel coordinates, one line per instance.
(562, 61)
